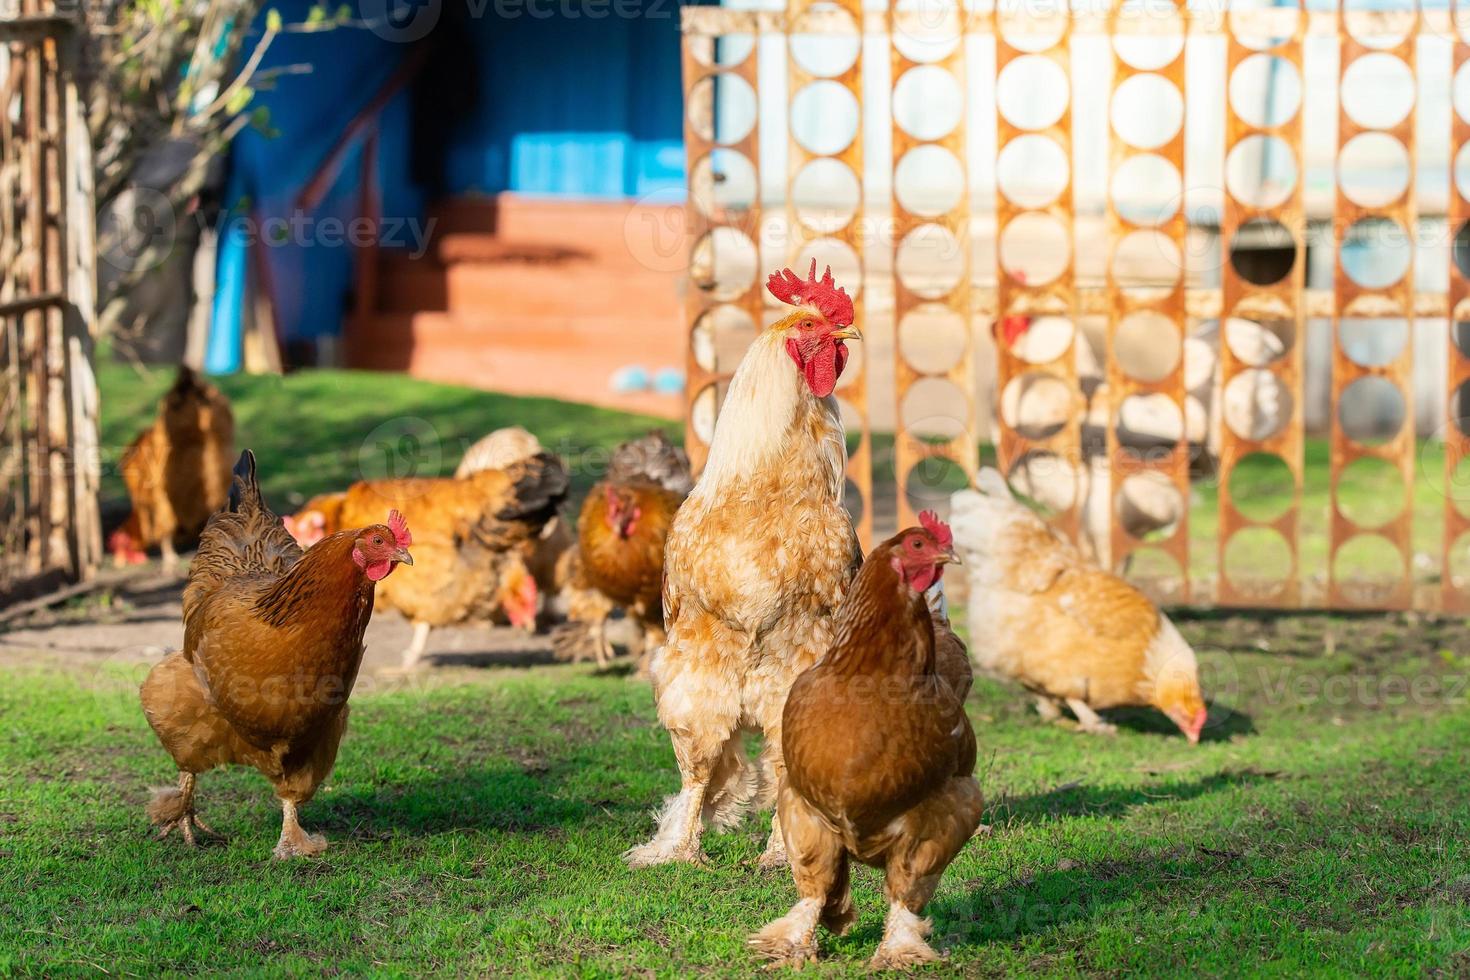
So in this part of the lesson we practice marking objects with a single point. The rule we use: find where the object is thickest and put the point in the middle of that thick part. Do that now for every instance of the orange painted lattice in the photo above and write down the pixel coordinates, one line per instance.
(921, 228)
(1259, 399)
(1456, 594)
(1141, 304)
(1374, 299)
(1255, 298)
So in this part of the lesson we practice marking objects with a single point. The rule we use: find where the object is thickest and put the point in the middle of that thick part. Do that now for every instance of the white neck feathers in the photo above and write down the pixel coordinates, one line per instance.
(759, 414)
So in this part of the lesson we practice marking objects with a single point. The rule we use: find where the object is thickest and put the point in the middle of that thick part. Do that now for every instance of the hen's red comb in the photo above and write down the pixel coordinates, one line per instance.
(936, 527)
(824, 294)
(399, 527)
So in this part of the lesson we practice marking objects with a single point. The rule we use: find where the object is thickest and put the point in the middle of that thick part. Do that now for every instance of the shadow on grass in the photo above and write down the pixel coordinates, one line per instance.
(1224, 722)
(503, 796)
(490, 658)
(1078, 800)
(1038, 902)
(1051, 899)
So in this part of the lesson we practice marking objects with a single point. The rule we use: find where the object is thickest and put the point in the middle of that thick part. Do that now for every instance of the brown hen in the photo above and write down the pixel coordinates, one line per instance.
(478, 543)
(880, 757)
(619, 559)
(177, 471)
(272, 646)
(1070, 632)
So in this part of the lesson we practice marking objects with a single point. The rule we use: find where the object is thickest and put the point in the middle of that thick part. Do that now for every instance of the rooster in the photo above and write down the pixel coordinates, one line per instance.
(177, 471)
(272, 645)
(1071, 633)
(620, 545)
(880, 756)
(478, 537)
(758, 558)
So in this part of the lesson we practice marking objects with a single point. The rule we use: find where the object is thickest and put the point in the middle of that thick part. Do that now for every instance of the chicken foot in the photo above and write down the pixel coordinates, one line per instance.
(792, 939)
(774, 855)
(905, 940)
(1088, 720)
(296, 842)
(1048, 708)
(172, 808)
(679, 828)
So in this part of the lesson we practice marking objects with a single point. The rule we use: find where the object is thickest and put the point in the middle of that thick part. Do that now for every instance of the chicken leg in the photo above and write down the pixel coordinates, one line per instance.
(680, 824)
(170, 555)
(296, 842)
(819, 863)
(701, 711)
(172, 808)
(929, 837)
(1088, 720)
(602, 648)
(415, 652)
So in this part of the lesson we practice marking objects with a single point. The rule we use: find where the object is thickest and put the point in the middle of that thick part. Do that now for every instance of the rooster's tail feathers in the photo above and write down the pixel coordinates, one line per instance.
(244, 491)
(541, 484)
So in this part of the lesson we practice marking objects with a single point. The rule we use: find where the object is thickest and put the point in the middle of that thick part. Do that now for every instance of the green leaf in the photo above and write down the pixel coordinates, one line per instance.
(316, 15)
(273, 20)
(344, 14)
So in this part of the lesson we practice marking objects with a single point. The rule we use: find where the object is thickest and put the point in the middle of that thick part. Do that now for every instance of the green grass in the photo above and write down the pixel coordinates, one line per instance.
(476, 821)
(316, 431)
(1371, 494)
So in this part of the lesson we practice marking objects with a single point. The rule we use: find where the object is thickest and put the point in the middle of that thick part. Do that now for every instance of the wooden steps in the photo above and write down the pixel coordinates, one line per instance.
(527, 296)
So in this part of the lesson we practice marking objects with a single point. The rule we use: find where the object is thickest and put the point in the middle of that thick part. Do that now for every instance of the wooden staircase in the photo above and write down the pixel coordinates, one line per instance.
(525, 296)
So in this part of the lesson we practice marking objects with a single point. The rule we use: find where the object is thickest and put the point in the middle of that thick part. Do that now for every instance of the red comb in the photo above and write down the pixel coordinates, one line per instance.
(936, 527)
(824, 294)
(399, 527)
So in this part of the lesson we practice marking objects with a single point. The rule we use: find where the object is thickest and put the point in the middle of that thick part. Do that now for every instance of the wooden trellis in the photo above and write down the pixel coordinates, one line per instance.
(49, 530)
(1457, 349)
(1021, 44)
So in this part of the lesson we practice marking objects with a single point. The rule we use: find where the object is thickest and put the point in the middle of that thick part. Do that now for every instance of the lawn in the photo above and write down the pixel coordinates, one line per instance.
(315, 431)
(477, 815)
(477, 818)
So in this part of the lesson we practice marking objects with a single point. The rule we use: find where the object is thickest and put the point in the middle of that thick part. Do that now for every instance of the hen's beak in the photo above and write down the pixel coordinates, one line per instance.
(847, 333)
(403, 557)
(949, 558)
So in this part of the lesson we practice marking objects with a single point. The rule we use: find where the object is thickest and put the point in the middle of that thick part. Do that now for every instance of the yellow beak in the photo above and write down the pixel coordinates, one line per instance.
(847, 333)
(950, 558)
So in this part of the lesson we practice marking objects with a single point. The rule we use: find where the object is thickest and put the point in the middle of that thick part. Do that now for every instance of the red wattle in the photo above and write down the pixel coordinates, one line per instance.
(823, 367)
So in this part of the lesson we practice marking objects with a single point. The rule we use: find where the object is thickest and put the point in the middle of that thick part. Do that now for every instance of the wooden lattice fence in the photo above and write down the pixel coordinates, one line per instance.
(48, 403)
(994, 247)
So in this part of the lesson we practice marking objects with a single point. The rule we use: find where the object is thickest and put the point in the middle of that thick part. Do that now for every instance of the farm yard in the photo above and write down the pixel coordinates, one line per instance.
(478, 808)
(980, 490)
